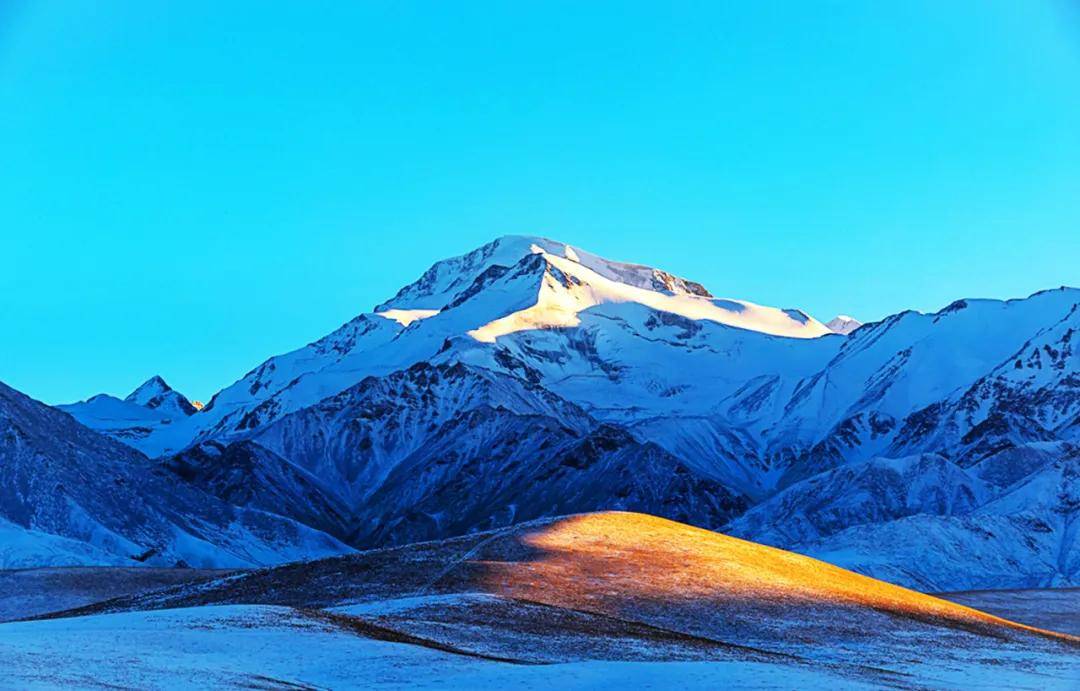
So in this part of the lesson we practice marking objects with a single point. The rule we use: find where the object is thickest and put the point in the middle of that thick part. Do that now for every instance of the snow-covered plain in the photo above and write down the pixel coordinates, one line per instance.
(277, 647)
(265, 647)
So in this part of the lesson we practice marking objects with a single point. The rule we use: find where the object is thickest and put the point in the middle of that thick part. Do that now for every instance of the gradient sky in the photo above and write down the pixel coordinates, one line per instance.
(187, 188)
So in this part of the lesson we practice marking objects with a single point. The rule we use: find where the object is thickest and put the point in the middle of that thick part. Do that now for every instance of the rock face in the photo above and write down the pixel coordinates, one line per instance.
(529, 377)
(934, 525)
(244, 474)
(448, 449)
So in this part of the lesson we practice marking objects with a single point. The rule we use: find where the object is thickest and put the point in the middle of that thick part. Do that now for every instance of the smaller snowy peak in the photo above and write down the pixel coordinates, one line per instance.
(155, 394)
(152, 407)
(148, 390)
(842, 324)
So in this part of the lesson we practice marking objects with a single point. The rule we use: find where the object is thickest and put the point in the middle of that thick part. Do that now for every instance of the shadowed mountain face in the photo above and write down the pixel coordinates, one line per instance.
(69, 495)
(441, 450)
(631, 586)
(529, 378)
(247, 475)
(453, 489)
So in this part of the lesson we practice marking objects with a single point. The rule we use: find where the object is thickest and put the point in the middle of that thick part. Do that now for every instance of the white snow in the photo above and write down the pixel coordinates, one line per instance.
(269, 647)
(252, 646)
(108, 412)
(560, 301)
(21, 547)
(406, 317)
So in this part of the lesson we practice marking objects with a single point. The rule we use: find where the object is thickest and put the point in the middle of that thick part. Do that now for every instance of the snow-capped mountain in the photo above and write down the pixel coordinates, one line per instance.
(155, 394)
(529, 377)
(147, 410)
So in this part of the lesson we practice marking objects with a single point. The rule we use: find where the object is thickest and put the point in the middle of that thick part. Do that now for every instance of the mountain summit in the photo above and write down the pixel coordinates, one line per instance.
(152, 407)
(555, 281)
(485, 304)
(842, 324)
(446, 278)
(155, 394)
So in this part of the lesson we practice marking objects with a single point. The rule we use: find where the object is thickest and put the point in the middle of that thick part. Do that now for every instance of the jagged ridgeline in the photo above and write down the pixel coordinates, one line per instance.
(529, 378)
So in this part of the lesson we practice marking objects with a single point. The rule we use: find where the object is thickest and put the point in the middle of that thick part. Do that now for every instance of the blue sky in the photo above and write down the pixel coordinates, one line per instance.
(187, 187)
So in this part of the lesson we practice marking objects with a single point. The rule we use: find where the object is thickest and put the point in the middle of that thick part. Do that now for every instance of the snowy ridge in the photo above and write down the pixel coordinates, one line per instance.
(147, 410)
(513, 287)
(569, 287)
(447, 278)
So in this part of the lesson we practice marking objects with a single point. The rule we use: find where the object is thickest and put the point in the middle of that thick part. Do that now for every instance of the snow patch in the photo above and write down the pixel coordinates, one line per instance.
(406, 317)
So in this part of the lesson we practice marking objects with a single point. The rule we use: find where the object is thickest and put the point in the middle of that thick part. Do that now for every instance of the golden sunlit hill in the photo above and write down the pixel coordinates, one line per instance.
(626, 586)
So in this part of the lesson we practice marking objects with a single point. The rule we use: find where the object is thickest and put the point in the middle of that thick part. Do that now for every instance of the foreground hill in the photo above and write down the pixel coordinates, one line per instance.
(631, 588)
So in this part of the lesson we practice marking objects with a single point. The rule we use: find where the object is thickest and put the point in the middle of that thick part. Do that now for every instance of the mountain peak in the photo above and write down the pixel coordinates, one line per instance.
(151, 387)
(843, 324)
(446, 279)
(156, 394)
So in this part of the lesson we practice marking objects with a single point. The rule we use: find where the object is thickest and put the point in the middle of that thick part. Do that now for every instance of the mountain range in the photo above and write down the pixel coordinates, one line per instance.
(529, 379)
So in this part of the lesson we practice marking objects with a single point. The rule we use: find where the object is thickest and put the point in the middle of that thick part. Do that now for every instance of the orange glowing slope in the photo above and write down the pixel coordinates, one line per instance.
(625, 569)
(618, 562)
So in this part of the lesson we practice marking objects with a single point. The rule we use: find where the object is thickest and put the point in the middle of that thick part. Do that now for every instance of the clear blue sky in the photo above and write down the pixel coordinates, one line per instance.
(189, 187)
